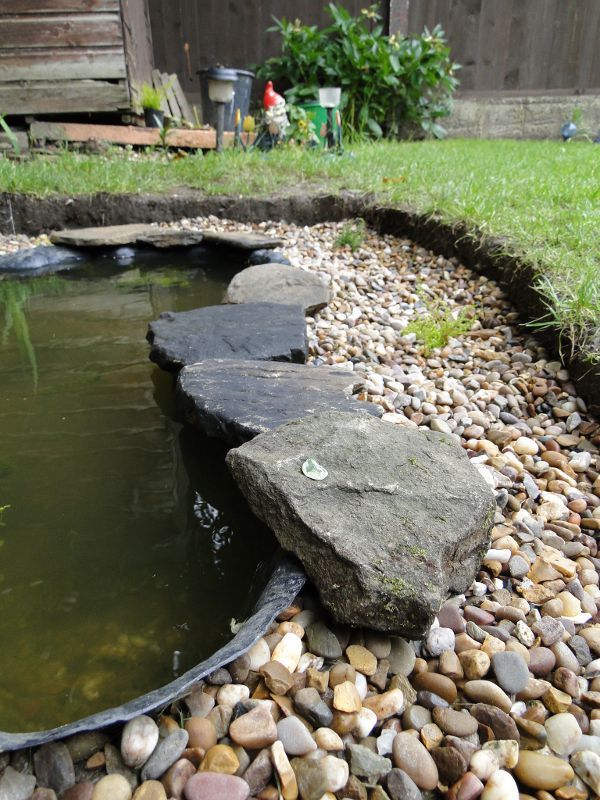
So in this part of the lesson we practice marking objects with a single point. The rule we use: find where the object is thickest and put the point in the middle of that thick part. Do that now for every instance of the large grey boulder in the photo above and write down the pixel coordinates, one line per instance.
(39, 260)
(401, 520)
(237, 400)
(260, 331)
(277, 283)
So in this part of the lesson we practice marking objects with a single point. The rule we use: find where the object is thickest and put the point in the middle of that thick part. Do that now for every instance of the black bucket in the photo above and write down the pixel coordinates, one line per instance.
(242, 89)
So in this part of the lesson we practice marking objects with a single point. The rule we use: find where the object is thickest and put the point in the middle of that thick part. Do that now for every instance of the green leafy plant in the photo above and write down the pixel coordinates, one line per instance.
(438, 324)
(390, 84)
(352, 235)
(11, 135)
(149, 97)
(302, 129)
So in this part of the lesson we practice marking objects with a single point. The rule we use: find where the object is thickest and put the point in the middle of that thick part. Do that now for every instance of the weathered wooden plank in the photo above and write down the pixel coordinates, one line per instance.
(168, 81)
(74, 30)
(124, 134)
(62, 97)
(186, 111)
(57, 6)
(54, 64)
(137, 40)
(157, 80)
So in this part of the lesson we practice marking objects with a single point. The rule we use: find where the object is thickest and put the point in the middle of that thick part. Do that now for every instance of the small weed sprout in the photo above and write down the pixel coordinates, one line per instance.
(352, 234)
(438, 324)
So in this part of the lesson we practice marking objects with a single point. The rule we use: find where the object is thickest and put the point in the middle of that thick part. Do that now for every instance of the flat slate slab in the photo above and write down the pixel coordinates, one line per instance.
(401, 520)
(109, 236)
(241, 239)
(39, 260)
(237, 400)
(170, 237)
(257, 331)
(277, 283)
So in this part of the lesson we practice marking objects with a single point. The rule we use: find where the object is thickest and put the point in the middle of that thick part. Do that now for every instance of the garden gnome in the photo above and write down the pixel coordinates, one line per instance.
(276, 119)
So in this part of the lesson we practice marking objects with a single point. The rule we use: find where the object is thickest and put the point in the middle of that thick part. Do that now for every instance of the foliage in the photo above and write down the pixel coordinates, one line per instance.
(390, 84)
(149, 97)
(438, 324)
(302, 128)
(352, 235)
(11, 136)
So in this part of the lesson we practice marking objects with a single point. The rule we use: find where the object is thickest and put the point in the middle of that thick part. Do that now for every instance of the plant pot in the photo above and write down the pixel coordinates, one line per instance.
(154, 118)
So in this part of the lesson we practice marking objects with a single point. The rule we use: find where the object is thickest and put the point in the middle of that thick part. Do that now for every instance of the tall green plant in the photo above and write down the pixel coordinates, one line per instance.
(391, 85)
(11, 135)
(14, 297)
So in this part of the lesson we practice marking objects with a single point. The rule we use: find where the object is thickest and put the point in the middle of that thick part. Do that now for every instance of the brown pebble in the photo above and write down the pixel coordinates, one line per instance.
(436, 683)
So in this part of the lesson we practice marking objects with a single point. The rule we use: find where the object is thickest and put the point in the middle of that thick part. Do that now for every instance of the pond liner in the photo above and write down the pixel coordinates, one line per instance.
(286, 580)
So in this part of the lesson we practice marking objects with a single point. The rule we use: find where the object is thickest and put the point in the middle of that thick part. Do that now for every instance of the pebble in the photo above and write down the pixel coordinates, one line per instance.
(587, 766)
(296, 738)
(401, 786)
(362, 659)
(149, 790)
(563, 733)
(541, 771)
(500, 786)
(166, 753)
(112, 787)
(54, 767)
(138, 740)
(412, 757)
(512, 673)
(454, 722)
(438, 640)
(216, 786)
(254, 730)
(487, 692)
(402, 657)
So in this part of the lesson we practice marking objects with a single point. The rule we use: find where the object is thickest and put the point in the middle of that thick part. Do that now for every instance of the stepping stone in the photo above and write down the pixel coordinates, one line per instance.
(40, 260)
(401, 520)
(243, 240)
(109, 236)
(277, 283)
(258, 331)
(267, 257)
(170, 237)
(237, 400)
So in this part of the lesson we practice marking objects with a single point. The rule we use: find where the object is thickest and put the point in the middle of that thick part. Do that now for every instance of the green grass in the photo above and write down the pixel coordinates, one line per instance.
(541, 198)
(352, 235)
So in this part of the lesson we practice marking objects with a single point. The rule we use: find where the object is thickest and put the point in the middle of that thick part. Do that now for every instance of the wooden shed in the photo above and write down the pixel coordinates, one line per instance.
(72, 56)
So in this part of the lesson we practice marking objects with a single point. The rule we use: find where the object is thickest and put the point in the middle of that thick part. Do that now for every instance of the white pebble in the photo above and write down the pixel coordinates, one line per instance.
(500, 786)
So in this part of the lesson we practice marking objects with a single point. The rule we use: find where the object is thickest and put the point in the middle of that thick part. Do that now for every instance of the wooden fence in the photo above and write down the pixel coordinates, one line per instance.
(231, 33)
(514, 46)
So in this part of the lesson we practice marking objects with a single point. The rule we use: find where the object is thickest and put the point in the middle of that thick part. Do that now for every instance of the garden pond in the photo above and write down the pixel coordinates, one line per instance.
(125, 551)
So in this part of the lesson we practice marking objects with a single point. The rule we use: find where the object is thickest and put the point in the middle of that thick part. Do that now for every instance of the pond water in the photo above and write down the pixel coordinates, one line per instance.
(126, 549)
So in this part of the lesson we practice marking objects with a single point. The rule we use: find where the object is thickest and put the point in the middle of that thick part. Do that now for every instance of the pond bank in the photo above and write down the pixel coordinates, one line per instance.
(504, 686)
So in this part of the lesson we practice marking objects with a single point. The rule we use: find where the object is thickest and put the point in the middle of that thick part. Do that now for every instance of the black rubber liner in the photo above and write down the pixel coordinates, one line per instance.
(284, 584)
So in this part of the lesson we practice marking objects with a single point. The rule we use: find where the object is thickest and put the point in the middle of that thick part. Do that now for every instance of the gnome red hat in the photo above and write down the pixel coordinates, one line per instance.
(270, 97)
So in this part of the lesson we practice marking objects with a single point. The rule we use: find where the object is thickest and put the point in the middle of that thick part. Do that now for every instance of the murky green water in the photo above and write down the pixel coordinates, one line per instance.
(126, 550)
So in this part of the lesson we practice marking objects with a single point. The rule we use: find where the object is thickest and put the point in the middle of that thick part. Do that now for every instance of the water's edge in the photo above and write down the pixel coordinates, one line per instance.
(284, 584)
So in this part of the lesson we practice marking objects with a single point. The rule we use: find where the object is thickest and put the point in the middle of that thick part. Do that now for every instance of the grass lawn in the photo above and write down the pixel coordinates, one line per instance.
(542, 198)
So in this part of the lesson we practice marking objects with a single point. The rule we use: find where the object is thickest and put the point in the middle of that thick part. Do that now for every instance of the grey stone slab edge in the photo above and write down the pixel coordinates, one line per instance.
(287, 579)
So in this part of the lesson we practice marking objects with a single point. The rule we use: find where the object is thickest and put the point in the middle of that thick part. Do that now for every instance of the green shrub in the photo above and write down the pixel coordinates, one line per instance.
(391, 85)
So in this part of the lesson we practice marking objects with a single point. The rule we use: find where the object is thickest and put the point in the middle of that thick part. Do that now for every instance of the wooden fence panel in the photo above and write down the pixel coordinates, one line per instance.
(517, 45)
(233, 33)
